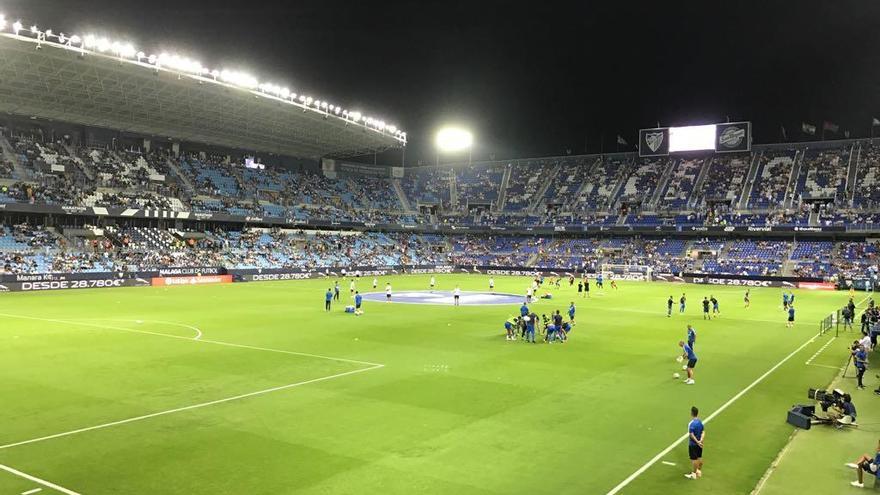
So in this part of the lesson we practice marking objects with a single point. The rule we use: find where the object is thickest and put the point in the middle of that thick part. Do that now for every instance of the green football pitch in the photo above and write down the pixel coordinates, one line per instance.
(254, 389)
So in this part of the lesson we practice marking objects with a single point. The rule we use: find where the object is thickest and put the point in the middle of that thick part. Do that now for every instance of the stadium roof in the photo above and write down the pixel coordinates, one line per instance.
(95, 82)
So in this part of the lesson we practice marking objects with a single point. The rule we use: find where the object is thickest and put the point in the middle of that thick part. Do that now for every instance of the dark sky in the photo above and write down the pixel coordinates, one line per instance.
(532, 80)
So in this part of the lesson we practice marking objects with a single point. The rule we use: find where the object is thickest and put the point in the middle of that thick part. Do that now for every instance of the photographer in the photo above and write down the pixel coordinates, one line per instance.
(866, 464)
(860, 360)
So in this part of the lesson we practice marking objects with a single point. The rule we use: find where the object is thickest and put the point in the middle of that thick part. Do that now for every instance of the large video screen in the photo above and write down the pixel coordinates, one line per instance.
(729, 137)
(692, 138)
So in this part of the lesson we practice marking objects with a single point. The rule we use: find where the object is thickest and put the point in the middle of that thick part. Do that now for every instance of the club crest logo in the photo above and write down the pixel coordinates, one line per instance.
(732, 137)
(654, 140)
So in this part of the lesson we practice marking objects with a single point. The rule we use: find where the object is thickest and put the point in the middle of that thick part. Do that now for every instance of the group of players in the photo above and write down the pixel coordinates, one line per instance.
(707, 301)
(552, 329)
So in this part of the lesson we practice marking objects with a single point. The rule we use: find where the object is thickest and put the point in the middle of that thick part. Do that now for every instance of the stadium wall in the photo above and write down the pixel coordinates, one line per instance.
(214, 275)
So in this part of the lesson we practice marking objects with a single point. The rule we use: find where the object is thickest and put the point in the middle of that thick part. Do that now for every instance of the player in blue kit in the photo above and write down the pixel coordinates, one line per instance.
(510, 326)
(571, 310)
(696, 435)
(328, 297)
(784, 301)
(688, 353)
(599, 281)
(691, 336)
(790, 322)
(530, 327)
(358, 300)
(682, 301)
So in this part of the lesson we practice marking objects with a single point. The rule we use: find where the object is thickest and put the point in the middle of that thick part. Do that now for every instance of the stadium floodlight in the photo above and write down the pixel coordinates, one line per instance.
(451, 139)
(92, 43)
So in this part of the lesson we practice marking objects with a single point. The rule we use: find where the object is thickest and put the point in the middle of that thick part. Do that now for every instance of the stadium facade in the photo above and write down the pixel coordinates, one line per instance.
(121, 168)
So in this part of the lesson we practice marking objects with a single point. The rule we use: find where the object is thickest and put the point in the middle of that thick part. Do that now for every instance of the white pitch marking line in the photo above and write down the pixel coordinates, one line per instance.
(718, 411)
(669, 463)
(187, 408)
(172, 323)
(47, 484)
(814, 356)
(31, 492)
(179, 337)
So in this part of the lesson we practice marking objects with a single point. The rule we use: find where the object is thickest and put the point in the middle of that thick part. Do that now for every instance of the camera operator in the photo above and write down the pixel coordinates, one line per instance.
(849, 409)
(839, 407)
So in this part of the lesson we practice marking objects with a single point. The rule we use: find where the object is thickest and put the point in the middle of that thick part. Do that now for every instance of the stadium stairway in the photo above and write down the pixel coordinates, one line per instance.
(852, 173)
(85, 168)
(172, 165)
(539, 196)
(502, 194)
(788, 265)
(665, 177)
(750, 180)
(622, 175)
(453, 191)
(19, 172)
(790, 192)
(698, 183)
(401, 196)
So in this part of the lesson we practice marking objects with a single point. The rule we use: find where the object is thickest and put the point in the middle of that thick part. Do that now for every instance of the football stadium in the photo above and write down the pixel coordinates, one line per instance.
(216, 282)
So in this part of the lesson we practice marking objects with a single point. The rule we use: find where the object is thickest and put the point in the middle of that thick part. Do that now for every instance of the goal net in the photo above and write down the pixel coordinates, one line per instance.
(626, 272)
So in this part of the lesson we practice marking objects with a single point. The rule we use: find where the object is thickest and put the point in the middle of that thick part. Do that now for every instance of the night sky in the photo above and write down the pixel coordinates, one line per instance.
(535, 80)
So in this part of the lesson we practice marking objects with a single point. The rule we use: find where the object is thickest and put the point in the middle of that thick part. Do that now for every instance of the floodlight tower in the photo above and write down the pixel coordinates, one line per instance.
(452, 140)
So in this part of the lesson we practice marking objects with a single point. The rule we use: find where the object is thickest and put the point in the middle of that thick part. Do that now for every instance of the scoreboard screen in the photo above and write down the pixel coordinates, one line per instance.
(721, 138)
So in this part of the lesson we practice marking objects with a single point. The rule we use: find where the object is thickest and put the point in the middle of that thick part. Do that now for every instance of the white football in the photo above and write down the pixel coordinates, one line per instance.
(679, 359)
(676, 375)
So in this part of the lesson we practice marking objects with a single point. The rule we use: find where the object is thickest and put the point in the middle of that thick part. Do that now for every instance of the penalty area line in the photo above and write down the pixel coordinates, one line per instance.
(638, 472)
(187, 408)
(47, 484)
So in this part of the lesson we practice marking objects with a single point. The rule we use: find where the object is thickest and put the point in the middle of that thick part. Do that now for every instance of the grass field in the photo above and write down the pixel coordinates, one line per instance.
(254, 389)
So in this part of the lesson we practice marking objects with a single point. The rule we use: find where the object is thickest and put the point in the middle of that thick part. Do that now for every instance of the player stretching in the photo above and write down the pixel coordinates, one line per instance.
(688, 353)
(614, 284)
(746, 298)
(509, 326)
(669, 304)
(715, 311)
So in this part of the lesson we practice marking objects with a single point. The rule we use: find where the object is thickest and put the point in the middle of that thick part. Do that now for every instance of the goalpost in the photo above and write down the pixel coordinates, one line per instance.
(626, 272)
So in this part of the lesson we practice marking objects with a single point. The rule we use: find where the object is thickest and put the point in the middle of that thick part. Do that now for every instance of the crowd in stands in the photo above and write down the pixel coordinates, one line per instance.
(28, 249)
(795, 186)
